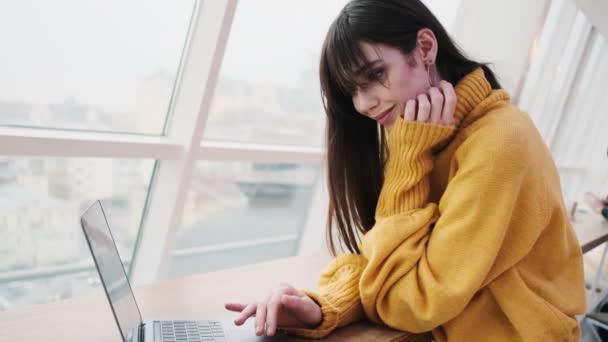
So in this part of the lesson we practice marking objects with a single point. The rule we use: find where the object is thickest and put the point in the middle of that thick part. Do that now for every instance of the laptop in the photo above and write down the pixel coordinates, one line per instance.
(128, 317)
(122, 301)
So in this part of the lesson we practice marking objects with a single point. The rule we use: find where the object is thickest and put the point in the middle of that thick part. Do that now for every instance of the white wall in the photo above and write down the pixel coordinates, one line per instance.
(500, 32)
(596, 11)
(445, 10)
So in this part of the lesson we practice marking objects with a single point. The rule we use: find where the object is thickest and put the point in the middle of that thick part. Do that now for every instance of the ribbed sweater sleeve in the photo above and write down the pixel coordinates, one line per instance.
(338, 292)
(406, 182)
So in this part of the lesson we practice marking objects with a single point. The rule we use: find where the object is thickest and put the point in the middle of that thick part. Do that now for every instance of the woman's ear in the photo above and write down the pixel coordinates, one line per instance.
(427, 45)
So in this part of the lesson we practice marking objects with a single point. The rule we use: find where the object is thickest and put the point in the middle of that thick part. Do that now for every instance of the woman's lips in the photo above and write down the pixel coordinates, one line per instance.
(384, 117)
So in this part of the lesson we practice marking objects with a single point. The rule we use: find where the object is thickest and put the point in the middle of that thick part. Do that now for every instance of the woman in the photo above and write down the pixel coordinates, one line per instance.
(452, 212)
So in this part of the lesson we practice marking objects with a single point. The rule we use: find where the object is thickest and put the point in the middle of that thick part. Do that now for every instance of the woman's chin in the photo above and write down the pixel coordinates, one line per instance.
(388, 122)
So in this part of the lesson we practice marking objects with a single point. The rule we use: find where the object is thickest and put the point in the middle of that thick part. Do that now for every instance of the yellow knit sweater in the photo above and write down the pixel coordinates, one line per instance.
(472, 243)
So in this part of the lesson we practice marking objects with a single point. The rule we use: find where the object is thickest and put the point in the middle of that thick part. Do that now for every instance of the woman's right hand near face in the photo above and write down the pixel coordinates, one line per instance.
(436, 107)
(284, 307)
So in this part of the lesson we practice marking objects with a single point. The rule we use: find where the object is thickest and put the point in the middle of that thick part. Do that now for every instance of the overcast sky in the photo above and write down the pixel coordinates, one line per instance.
(98, 51)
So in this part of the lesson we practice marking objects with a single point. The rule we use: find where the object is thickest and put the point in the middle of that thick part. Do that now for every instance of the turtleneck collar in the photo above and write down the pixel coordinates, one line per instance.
(475, 97)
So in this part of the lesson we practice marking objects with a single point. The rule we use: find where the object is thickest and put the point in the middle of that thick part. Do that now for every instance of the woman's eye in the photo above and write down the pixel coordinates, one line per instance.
(376, 74)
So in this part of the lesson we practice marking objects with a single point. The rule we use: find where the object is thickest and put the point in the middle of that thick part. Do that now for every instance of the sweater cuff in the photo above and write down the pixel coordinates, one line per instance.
(411, 138)
(328, 324)
(337, 296)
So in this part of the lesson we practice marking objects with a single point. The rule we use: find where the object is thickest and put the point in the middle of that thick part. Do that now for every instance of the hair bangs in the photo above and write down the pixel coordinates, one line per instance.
(344, 55)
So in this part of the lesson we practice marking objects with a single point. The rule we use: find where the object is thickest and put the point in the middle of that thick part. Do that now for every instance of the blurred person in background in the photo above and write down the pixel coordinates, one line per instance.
(598, 205)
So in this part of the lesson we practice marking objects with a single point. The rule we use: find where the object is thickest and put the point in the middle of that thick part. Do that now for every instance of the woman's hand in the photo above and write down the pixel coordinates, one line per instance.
(436, 107)
(283, 307)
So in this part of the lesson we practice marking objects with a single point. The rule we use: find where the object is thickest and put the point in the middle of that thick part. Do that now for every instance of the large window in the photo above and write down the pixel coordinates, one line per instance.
(565, 96)
(41, 200)
(124, 102)
(268, 91)
(92, 65)
(238, 213)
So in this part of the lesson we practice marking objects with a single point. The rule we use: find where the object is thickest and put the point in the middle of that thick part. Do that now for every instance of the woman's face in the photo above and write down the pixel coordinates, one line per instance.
(387, 81)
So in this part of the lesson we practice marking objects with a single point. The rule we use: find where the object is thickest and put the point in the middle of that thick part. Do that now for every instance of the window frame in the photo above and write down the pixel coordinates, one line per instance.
(175, 153)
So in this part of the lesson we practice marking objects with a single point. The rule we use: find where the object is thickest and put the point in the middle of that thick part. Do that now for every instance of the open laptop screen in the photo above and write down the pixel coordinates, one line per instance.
(111, 271)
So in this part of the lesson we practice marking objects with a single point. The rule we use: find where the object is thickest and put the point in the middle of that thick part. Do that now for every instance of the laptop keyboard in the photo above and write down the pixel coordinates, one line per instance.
(190, 331)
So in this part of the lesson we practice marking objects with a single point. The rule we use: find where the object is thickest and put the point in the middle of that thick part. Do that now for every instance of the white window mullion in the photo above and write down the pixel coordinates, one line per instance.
(566, 73)
(234, 246)
(313, 234)
(594, 147)
(542, 70)
(596, 11)
(582, 148)
(200, 68)
(578, 117)
(261, 153)
(17, 141)
(595, 156)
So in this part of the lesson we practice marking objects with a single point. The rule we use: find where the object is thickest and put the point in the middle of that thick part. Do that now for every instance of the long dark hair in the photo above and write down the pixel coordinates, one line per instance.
(355, 144)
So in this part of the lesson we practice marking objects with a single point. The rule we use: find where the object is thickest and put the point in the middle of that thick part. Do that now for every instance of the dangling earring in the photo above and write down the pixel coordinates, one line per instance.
(428, 73)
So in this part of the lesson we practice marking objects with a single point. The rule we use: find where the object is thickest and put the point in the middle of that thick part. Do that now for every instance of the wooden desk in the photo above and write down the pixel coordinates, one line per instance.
(591, 230)
(197, 297)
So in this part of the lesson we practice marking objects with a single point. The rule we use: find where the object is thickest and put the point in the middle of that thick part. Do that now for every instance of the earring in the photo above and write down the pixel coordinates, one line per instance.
(428, 73)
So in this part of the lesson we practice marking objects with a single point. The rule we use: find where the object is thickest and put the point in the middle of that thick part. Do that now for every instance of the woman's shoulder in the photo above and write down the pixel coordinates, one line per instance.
(505, 131)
